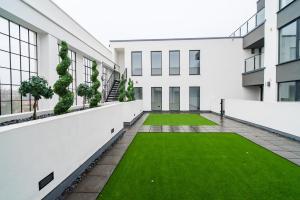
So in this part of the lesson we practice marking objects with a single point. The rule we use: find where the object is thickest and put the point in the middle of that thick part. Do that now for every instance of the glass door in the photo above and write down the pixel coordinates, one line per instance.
(174, 98)
(194, 94)
(156, 98)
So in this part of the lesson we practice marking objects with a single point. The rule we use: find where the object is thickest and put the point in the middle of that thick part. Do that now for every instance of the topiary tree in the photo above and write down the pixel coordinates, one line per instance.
(96, 95)
(37, 87)
(84, 91)
(66, 97)
(122, 92)
(130, 91)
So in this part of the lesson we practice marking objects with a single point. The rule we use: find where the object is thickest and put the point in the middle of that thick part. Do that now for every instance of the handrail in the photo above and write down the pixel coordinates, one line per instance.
(254, 62)
(253, 22)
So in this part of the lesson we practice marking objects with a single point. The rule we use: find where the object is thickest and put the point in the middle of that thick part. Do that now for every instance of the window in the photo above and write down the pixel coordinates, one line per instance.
(87, 71)
(284, 3)
(136, 63)
(194, 62)
(72, 70)
(174, 98)
(174, 62)
(156, 63)
(288, 43)
(289, 91)
(18, 62)
(194, 93)
(138, 93)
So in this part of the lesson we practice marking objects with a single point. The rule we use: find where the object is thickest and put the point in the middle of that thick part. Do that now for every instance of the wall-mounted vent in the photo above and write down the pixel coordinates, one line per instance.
(45, 181)
(112, 130)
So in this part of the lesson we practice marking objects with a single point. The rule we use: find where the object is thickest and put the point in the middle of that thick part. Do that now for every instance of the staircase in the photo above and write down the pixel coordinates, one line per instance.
(114, 92)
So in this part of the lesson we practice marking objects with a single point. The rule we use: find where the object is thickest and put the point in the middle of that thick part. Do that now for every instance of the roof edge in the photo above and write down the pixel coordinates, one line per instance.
(174, 39)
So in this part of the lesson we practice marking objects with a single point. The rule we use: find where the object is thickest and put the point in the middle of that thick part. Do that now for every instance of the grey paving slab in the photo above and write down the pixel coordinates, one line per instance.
(83, 196)
(296, 161)
(287, 154)
(102, 170)
(109, 160)
(91, 184)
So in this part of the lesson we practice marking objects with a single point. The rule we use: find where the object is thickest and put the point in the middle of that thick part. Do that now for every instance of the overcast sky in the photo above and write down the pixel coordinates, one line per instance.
(137, 19)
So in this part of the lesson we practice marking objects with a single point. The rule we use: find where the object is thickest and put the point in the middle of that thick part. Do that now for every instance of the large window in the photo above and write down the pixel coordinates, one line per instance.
(288, 50)
(283, 3)
(194, 62)
(138, 93)
(194, 93)
(156, 63)
(174, 62)
(174, 98)
(289, 91)
(136, 63)
(18, 62)
(87, 71)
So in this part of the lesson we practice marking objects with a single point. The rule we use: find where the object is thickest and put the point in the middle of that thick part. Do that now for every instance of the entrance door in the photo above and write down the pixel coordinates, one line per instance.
(156, 98)
(174, 98)
(194, 98)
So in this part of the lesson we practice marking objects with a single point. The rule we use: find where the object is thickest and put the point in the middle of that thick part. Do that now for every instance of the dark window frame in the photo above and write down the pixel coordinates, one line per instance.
(199, 62)
(141, 63)
(160, 63)
(281, 8)
(170, 62)
(30, 57)
(297, 41)
(278, 91)
(141, 93)
(87, 63)
(199, 97)
(179, 97)
(160, 98)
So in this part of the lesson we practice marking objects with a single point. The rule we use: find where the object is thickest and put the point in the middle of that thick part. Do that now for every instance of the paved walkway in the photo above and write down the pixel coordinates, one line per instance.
(94, 181)
(96, 178)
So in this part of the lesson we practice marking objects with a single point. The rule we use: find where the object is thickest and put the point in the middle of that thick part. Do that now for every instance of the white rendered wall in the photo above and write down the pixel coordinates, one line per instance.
(32, 150)
(281, 116)
(221, 63)
(271, 50)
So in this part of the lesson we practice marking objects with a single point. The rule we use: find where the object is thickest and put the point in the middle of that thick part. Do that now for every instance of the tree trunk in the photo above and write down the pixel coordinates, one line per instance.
(34, 109)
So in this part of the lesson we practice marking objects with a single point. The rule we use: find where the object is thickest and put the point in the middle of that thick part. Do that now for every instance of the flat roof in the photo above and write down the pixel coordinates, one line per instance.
(170, 39)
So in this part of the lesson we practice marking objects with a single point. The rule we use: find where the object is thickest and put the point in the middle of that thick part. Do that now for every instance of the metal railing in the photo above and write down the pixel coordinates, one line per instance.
(115, 76)
(255, 21)
(254, 63)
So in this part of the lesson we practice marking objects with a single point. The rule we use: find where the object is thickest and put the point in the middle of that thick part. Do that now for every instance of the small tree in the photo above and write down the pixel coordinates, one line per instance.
(122, 92)
(130, 91)
(66, 97)
(84, 91)
(96, 95)
(37, 87)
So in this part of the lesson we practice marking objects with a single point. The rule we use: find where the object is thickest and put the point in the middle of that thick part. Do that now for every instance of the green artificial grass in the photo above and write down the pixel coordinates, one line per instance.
(201, 166)
(177, 120)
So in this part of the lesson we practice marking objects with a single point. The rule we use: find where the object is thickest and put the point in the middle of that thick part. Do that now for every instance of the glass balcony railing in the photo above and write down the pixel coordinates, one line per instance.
(254, 63)
(255, 21)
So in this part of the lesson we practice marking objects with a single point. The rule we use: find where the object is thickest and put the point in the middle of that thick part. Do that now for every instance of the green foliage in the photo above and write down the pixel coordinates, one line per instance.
(37, 87)
(96, 95)
(84, 91)
(66, 97)
(122, 92)
(130, 91)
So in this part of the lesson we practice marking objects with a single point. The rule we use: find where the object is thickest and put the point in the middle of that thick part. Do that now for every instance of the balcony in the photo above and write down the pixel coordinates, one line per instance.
(254, 71)
(252, 31)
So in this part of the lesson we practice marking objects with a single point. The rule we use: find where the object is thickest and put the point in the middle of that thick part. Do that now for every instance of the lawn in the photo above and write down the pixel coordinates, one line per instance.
(201, 166)
(177, 120)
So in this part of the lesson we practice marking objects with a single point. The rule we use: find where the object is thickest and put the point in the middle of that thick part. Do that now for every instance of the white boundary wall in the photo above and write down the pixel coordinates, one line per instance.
(30, 151)
(281, 116)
